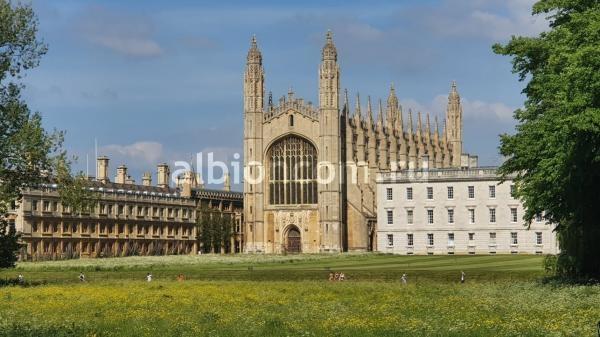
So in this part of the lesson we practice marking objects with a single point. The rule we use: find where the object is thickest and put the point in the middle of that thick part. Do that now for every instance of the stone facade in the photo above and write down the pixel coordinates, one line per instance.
(128, 219)
(455, 211)
(292, 143)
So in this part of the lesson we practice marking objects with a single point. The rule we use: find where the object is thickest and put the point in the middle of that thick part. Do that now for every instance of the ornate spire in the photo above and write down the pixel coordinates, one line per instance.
(436, 135)
(392, 104)
(329, 52)
(454, 125)
(357, 105)
(380, 116)
(453, 91)
(410, 124)
(428, 127)
(254, 55)
(227, 183)
(346, 103)
(419, 125)
(369, 111)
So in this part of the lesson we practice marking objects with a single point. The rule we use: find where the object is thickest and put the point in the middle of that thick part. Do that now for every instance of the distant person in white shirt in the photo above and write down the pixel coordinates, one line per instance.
(20, 279)
(462, 276)
(81, 277)
(149, 277)
(404, 279)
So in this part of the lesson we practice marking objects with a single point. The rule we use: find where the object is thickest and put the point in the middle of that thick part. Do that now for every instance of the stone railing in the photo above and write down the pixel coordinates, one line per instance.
(440, 174)
(296, 104)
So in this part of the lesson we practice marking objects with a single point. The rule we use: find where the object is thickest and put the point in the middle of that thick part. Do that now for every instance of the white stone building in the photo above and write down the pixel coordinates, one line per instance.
(455, 211)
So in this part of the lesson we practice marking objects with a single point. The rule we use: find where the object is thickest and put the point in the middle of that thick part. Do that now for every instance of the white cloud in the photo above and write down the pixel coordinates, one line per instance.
(130, 35)
(492, 19)
(472, 109)
(139, 154)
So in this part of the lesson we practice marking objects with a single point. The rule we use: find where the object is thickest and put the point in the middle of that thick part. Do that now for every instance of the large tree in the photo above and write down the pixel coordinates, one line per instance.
(29, 155)
(555, 152)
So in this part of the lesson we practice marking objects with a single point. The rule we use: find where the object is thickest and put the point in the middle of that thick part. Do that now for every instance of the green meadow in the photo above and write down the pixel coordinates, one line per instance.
(251, 295)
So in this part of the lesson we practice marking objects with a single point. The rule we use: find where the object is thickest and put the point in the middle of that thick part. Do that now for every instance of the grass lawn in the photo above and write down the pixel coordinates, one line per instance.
(290, 296)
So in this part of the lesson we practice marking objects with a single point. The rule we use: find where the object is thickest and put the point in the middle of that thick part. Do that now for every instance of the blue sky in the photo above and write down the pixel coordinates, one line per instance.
(157, 81)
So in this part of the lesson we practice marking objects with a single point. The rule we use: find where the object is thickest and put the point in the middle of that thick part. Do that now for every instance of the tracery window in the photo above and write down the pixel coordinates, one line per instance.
(292, 172)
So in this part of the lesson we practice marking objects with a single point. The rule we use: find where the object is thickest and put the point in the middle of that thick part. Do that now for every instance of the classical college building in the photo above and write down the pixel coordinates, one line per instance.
(455, 211)
(128, 218)
(292, 147)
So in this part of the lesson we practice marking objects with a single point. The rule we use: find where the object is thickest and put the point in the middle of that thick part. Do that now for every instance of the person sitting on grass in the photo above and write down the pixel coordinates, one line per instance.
(81, 277)
(331, 276)
(336, 276)
(149, 277)
(180, 278)
(20, 279)
(342, 277)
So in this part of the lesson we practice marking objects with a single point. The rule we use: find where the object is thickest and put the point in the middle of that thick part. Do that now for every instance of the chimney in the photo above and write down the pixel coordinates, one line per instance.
(121, 175)
(473, 161)
(147, 179)
(163, 175)
(102, 168)
(464, 160)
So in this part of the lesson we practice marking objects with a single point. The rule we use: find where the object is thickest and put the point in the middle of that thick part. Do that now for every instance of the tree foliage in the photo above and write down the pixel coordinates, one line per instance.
(555, 151)
(29, 155)
(215, 230)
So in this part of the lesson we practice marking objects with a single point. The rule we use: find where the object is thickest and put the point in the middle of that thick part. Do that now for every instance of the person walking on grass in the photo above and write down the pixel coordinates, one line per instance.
(462, 276)
(81, 277)
(404, 279)
(149, 277)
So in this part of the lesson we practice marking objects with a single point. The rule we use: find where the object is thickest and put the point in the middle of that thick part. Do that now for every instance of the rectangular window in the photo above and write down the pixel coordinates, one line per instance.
(451, 239)
(538, 238)
(390, 217)
(430, 193)
(514, 239)
(450, 215)
(409, 216)
(34, 205)
(409, 193)
(512, 190)
(492, 238)
(513, 215)
(492, 215)
(390, 239)
(430, 239)
(471, 215)
(450, 192)
(389, 193)
(538, 217)
(46, 206)
(471, 236)
(409, 240)
(471, 190)
(429, 216)
(492, 191)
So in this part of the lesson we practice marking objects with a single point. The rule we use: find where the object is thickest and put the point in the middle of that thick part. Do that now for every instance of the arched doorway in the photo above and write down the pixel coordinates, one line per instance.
(293, 243)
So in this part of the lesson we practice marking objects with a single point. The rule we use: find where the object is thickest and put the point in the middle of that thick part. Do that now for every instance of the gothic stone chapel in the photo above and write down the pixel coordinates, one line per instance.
(292, 143)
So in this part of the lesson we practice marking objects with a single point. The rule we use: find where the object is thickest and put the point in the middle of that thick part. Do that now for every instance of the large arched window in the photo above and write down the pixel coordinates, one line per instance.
(292, 172)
